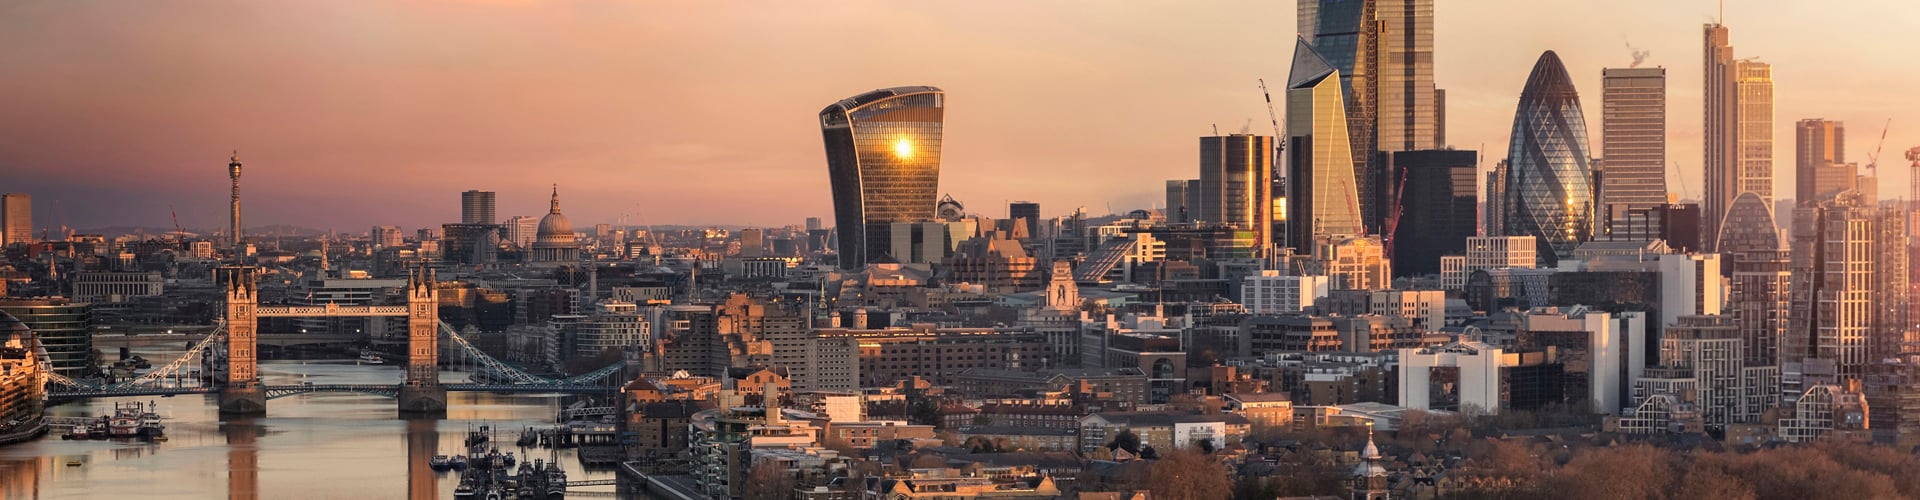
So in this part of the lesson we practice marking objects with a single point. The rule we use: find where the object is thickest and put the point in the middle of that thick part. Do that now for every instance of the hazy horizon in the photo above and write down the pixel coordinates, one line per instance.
(349, 115)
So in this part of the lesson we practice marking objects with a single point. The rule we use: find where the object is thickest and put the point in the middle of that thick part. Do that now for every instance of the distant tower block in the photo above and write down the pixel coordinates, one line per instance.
(233, 227)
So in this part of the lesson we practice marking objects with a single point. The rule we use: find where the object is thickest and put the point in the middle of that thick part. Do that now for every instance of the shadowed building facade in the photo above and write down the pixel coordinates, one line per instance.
(883, 160)
(1549, 187)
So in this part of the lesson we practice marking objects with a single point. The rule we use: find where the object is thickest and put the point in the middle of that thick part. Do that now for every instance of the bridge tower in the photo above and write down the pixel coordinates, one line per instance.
(422, 392)
(243, 394)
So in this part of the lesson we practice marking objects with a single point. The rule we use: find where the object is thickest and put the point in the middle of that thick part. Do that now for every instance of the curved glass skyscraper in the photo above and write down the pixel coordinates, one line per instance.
(1549, 192)
(883, 158)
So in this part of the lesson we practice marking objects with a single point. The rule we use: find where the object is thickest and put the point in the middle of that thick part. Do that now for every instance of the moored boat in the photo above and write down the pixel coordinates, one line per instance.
(440, 463)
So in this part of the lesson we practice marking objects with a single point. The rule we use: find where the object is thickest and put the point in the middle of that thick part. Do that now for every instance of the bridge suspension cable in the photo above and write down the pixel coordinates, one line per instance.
(172, 369)
(500, 368)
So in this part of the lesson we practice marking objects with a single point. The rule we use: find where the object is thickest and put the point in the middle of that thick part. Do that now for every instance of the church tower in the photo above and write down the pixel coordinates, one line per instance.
(1369, 478)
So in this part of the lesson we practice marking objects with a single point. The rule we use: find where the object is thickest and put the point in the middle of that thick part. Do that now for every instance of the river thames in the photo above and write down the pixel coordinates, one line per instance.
(322, 445)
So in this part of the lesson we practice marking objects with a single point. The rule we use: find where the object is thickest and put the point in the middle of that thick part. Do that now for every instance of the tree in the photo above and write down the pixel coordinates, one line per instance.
(924, 411)
(768, 480)
(1147, 452)
(1125, 440)
(1187, 475)
(1205, 446)
(981, 444)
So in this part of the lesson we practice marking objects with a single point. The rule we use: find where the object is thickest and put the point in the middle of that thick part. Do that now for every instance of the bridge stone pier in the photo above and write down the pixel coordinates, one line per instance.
(242, 392)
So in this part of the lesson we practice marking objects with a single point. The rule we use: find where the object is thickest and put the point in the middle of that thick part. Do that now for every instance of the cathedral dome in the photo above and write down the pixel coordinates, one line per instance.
(555, 229)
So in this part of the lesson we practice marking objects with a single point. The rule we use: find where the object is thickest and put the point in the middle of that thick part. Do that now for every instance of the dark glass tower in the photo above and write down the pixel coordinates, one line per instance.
(1549, 191)
(1439, 208)
(883, 158)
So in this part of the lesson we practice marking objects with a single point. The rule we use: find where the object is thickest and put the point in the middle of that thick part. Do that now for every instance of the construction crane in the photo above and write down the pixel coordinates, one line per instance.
(1278, 137)
(1393, 214)
(1873, 160)
(1913, 174)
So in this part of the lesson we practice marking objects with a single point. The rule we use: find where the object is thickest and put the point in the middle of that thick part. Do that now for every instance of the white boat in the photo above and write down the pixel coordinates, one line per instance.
(370, 358)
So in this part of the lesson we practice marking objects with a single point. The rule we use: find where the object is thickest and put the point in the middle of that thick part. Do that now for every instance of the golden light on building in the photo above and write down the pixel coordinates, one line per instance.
(903, 148)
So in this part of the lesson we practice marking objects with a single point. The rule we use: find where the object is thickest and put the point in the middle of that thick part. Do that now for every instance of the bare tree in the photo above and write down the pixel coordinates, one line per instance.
(1188, 475)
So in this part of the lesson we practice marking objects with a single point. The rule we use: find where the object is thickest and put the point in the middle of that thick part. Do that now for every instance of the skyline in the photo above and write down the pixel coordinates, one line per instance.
(129, 102)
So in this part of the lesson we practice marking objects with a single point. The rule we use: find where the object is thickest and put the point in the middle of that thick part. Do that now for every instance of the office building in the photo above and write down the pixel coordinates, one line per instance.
(521, 230)
(1180, 203)
(1495, 252)
(1738, 136)
(1437, 208)
(1028, 214)
(1236, 173)
(1492, 221)
(64, 328)
(1349, 262)
(112, 287)
(1819, 156)
(753, 242)
(1549, 191)
(1322, 196)
(1383, 52)
(1273, 293)
(16, 218)
(1633, 139)
(1677, 224)
(476, 207)
(1833, 293)
(385, 237)
(1702, 354)
(1474, 376)
(883, 160)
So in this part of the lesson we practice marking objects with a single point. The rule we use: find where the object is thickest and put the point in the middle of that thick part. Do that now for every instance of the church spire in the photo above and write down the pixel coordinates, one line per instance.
(556, 199)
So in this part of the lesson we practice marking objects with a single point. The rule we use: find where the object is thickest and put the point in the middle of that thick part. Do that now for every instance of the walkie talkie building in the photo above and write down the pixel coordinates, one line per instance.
(883, 157)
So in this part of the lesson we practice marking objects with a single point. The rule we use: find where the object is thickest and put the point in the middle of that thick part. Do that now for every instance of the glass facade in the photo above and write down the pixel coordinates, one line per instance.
(1549, 191)
(883, 159)
(1749, 227)
(1322, 198)
(63, 328)
(1236, 172)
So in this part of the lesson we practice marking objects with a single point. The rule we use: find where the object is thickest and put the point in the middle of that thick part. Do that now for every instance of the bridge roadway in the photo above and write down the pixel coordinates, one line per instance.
(272, 339)
(280, 391)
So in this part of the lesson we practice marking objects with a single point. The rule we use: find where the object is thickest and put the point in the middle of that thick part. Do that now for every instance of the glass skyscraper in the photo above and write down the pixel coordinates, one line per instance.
(1549, 191)
(1236, 174)
(1383, 50)
(1321, 200)
(883, 158)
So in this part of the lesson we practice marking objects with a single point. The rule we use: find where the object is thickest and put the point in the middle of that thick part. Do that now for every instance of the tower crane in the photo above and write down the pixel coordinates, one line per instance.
(1913, 180)
(1873, 160)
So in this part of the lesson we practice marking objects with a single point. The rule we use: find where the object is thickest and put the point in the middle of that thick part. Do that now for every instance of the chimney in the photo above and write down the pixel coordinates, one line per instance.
(770, 398)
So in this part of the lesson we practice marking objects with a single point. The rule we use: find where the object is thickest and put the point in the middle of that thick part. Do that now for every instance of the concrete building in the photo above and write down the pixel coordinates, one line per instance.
(16, 218)
(107, 287)
(1452, 377)
(1273, 293)
(1633, 139)
(477, 207)
(1349, 263)
(1690, 284)
(521, 230)
(386, 237)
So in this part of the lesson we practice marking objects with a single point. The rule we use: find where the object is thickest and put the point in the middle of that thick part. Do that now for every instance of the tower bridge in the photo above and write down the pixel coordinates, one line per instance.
(241, 391)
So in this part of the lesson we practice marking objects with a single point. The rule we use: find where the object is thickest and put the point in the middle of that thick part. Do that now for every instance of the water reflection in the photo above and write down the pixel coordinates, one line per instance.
(423, 442)
(243, 457)
(327, 444)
